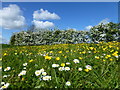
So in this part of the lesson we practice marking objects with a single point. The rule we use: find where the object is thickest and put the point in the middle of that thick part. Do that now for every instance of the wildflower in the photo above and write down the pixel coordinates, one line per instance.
(45, 78)
(89, 51)
(96, 57)
(68, 83)
(24, 64)
(88, 67)
(76, 61)
(62, 64)
(65, 56)
(41, 70)
(108, 56)
(61, 68)
(87, 70)
(55, 65)
(7, 69)
(44, 73)
(4, 54)
(31, 60)
(5, 76)
(60, 52)
(57, 58)
(115, 54)
(5, 86)
(111, 59)
(15, 53)
(38, 72)
(23, 79)
(79, 69)
(51, 51)
(23, 72)
(2, 83)
(24, 68)
(67, 63)
(0, 67)
(0, 59)
(67, 68)
(47, 57)
(104, 60)
(91, 48)
(80, 58)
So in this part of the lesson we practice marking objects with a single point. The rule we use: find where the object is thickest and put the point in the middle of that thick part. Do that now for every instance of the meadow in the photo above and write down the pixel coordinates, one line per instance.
(85, 65)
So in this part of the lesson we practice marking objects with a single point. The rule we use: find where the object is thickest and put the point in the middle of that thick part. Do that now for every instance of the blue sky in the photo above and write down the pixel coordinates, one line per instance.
(77, 15)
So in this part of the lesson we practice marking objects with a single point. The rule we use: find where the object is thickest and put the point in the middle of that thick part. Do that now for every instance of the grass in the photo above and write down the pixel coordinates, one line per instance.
(101, 58)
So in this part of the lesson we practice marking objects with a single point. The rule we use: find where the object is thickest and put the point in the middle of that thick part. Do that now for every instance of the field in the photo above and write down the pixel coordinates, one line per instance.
(84, 65)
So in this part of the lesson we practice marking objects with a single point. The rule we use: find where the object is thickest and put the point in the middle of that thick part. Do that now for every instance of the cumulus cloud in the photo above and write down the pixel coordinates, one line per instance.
(42, 25)
(105, 21)
(11, 17)
(88, 27)
(44, 15)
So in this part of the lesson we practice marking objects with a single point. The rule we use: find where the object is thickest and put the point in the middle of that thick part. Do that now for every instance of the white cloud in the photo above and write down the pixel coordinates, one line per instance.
(43, 25)
(88, 27)
(11, 17)
(44, 15)
(104, 21)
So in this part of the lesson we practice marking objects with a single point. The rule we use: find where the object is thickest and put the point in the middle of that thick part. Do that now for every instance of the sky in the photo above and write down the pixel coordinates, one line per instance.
(63, 15)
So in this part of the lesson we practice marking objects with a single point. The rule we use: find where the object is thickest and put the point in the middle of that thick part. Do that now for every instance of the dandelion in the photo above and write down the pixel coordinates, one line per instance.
(68, 83)
(57, 58)
(80, 58)
(91, 48)
(62, 64)
(108, 56)
(31, 60)
(23, 79)
(104, 60)
(7, 69)
(111, 59)
(76, 61)
(47, 57)
(79, 69)
(55, 65)
(24, 64)
(87, 70)
(60, 52)
(67, 68)
(4, 54)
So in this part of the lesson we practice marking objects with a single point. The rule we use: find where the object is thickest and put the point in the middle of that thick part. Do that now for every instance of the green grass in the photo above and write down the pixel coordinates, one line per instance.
(104, 73)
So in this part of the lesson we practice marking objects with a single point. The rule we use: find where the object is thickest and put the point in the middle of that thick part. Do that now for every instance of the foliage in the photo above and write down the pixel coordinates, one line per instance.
(103, 32)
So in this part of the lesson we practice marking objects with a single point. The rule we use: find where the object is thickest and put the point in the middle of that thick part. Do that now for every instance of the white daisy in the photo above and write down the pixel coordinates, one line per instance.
(68, 83)
(76, 61)
(67, 68)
